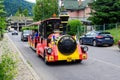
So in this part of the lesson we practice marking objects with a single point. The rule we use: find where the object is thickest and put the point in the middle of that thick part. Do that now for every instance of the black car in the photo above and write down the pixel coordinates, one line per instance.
(25, 34)
(97, 38)
(14, 32)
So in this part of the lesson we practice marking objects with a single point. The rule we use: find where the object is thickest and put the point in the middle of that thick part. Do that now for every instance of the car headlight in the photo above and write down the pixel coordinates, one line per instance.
(84, 48)
(49, 50)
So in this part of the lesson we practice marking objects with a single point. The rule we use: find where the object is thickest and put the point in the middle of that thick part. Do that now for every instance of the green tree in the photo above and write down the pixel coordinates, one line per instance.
(105, 11)
(19, 12)
(25, 12)
(11, 6)
(45, 9)
(2, 12)
(75, 27)
(2, 15)
(2, 18)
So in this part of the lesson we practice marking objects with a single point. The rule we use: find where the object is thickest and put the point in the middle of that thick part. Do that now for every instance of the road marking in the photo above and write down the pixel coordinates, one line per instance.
(105, 62)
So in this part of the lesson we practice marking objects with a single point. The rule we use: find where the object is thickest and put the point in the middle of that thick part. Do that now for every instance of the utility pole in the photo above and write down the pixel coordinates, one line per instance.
(59, 6)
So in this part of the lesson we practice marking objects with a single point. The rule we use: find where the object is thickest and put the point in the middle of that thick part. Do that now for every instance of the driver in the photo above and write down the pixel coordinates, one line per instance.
(56, 33)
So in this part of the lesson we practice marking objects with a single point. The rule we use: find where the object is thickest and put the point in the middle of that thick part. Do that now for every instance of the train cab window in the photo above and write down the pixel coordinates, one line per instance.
(49, 29)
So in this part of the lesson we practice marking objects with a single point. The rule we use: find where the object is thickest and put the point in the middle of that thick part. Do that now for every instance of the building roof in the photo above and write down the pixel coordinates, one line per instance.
(74, 4)
(20, 19)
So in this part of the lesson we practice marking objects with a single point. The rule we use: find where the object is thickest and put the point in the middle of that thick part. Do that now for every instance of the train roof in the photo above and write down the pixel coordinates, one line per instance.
(49, 19)
(39, 22)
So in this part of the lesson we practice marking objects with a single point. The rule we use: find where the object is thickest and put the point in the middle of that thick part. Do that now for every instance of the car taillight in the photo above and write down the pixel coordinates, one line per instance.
(99, 36)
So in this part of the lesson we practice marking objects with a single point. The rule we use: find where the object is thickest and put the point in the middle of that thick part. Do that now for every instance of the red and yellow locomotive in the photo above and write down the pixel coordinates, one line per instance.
(53, 44)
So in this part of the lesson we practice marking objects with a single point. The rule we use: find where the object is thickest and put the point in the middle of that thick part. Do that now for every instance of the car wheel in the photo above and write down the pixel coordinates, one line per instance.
(45, 60)
(81, 42)
(110, 44)
(94, 43)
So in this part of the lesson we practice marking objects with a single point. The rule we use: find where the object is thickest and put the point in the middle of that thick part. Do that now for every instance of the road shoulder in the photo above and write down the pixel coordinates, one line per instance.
(25, 71)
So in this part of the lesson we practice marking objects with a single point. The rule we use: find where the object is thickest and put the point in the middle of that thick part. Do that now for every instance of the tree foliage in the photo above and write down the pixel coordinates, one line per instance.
(30, 28)
(74, 27)
(45, 9)
(105, 11)
(12, 6)
(21, 12)
(2, 15)
(25, 12)
(2, 12)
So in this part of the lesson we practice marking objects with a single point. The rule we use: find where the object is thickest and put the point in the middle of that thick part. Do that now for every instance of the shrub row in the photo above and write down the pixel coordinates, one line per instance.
(8, 63)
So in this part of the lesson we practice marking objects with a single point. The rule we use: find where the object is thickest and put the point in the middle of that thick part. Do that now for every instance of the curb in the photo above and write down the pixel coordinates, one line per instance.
(36, 77)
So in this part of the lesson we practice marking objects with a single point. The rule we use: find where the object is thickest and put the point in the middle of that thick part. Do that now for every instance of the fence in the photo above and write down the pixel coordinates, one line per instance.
(113, 28)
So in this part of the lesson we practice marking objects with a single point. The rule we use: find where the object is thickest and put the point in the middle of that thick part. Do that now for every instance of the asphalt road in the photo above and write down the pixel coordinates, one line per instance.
(103, 64)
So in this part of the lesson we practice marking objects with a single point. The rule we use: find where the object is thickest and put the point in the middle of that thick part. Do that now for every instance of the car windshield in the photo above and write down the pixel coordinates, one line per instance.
(104, 33)
(14, 31)
(27, 32)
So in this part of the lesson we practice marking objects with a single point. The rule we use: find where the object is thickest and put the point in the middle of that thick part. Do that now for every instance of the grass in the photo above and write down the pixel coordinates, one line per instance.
(8, 62)
(116, 34)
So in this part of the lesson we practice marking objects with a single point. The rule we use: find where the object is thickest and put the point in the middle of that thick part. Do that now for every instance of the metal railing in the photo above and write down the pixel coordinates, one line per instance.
(113, 28)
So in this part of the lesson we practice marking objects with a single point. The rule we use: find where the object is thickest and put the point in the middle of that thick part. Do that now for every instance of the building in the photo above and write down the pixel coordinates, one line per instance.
(16, 23)
(77, 9)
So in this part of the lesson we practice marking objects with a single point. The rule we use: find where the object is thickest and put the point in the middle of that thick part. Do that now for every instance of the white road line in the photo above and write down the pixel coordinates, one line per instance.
(105, 62)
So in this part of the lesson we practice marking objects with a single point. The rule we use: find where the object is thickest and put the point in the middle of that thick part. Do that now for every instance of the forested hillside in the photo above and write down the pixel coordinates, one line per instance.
(11, 6)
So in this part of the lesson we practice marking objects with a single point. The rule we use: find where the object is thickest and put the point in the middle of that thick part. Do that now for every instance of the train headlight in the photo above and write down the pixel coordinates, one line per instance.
(49, 50)
(84, 48)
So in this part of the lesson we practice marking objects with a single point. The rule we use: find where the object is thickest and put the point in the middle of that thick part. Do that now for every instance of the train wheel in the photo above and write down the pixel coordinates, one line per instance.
(45, 60)
(79, 61)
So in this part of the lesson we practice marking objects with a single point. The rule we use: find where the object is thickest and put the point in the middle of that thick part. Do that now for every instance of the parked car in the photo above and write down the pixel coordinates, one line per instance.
(97, 38)
(119, 44)
(14, 32)
(25, 34)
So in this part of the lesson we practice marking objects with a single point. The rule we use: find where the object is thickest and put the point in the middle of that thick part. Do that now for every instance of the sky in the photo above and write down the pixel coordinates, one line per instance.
(33, 1)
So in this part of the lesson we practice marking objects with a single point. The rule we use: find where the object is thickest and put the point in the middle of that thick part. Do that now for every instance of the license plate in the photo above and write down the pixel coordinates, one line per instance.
(69, 59)
(107, 38)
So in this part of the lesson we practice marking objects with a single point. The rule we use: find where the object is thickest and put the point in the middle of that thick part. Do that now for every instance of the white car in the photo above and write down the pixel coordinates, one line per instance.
(15, 32)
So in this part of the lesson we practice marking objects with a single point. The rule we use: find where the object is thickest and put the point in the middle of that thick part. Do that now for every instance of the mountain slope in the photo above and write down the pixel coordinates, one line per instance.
(11, 6)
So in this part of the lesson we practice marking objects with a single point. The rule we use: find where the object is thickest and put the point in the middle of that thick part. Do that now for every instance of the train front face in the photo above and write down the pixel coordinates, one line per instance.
(66, 49)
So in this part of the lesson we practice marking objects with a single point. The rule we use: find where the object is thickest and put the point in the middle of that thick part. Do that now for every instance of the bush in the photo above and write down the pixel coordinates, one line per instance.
(30, 28)
(7, 68)
(115, 33)
(1, 33)
(74, 27)
(8, 63)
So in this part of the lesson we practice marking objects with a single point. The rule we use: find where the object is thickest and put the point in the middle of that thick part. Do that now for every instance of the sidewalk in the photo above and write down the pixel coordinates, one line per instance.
(25, 71)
